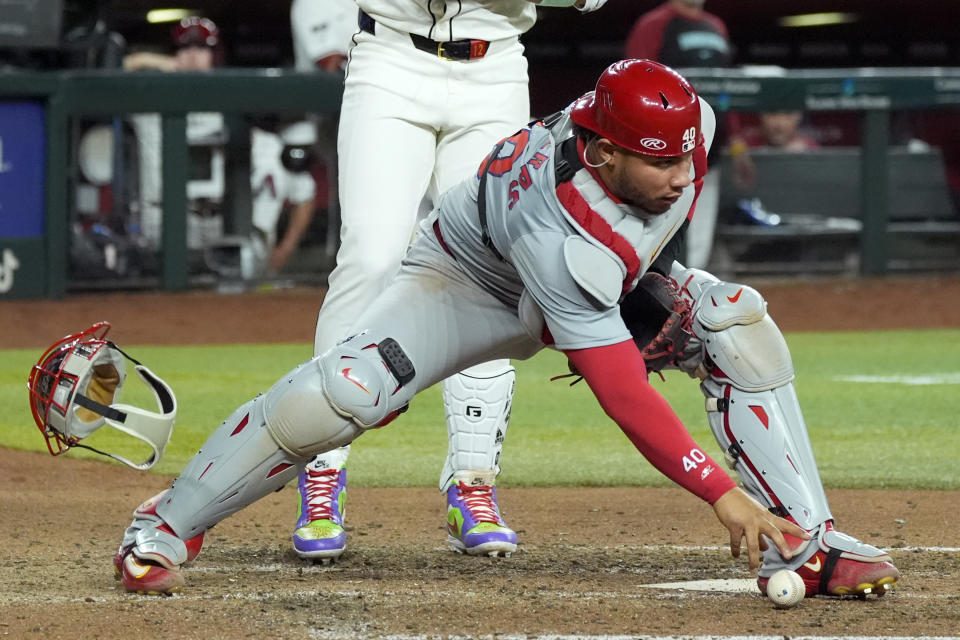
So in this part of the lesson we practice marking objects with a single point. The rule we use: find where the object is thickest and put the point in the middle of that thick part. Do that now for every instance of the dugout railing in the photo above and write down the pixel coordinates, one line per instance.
(71, 94)
(873, 93)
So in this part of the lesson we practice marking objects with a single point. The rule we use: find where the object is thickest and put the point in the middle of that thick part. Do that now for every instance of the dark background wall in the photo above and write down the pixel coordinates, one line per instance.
(567, 50)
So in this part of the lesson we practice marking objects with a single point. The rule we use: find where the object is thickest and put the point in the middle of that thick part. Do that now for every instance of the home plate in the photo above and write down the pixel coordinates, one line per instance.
(725, 586)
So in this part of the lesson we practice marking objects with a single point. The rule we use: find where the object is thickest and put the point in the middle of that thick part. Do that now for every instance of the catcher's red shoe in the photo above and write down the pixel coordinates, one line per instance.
(148, 578)
(153, 577)
(844, 566)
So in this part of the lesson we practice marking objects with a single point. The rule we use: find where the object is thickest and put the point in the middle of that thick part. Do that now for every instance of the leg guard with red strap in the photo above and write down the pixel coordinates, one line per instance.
(755, 415)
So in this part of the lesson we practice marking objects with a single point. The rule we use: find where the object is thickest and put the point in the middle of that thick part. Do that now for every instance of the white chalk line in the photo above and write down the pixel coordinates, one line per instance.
(332, 568)
(681, 547)
(670, 592)
(933, 378)
(713, 586)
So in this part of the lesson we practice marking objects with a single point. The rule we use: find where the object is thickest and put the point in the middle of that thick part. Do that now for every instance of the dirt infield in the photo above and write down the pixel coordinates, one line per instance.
(585, 556)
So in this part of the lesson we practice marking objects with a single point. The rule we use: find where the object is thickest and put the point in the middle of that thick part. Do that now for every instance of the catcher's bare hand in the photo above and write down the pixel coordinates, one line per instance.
(691, 358)
(745, 518)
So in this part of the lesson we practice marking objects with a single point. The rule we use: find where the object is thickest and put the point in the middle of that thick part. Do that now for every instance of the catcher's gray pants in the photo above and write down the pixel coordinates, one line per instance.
(442, 321)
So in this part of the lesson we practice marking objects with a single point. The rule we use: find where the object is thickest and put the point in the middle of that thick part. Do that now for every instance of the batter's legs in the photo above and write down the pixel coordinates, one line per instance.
(448, 142)
(377, 224)
(477, 403)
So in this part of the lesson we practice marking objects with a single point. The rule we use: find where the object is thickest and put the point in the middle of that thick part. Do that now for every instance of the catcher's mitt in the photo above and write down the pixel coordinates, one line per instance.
(660, 320)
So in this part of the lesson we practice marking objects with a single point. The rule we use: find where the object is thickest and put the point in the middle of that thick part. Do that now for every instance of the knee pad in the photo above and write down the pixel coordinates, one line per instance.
(301, 418)
(368, 382)
(740, 339)
(477, 404)
(692, 282)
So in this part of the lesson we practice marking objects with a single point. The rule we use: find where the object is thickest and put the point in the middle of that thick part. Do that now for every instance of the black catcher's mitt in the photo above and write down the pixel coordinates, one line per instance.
(659, 319)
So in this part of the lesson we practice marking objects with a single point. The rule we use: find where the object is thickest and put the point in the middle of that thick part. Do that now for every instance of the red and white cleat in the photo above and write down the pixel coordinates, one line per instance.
(844, 566)
(149, 559)
(148, 578)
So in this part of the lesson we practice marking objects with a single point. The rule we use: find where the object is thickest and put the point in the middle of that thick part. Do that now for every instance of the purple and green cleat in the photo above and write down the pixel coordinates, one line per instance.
(319, 534)
(474, 523)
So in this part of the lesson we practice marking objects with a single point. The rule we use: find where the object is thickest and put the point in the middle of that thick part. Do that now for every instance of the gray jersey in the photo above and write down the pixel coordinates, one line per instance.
(569, 249)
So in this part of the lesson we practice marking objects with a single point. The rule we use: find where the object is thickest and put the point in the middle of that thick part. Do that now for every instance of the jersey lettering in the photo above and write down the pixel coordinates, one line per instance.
(524, 181)
(513, 196)
(537, 160)
(502, 165)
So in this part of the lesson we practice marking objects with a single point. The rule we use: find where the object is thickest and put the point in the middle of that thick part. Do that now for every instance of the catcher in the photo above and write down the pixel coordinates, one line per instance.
(538, 249)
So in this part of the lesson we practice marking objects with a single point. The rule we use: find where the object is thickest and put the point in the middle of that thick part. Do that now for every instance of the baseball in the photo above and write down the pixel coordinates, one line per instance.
(786, 589)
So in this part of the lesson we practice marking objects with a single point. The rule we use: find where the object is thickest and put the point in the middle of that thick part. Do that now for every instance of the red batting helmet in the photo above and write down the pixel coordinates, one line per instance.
(196, 32)
(642, 106)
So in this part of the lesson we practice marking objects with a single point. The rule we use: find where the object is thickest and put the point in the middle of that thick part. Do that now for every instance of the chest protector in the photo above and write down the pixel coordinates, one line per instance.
(627, 235)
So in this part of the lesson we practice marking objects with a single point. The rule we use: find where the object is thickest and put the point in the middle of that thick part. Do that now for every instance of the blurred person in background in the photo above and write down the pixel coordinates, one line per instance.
(321, 37)
(682, 34)
(197, 47)
(280, 179)
(280, 163)
(780, 130)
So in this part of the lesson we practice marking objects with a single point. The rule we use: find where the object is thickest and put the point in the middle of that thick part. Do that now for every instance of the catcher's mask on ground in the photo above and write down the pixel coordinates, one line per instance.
(73, 388)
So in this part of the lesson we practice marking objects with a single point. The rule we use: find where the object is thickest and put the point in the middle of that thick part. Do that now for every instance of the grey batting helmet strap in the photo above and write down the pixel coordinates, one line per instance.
(73, 391)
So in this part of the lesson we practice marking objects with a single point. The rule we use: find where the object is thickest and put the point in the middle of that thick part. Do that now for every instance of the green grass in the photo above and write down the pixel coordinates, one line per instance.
(865, 434)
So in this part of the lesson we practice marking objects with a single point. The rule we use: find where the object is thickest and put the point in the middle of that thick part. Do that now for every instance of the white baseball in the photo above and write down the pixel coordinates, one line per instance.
(786, 589)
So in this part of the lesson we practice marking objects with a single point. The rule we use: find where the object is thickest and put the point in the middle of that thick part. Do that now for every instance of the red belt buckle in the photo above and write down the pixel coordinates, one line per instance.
(478, 48)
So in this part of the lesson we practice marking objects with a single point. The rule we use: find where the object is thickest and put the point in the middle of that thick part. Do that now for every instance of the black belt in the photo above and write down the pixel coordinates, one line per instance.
(450, 50)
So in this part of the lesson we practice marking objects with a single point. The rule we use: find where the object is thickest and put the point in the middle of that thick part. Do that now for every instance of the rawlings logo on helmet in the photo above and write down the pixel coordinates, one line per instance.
(654, 144)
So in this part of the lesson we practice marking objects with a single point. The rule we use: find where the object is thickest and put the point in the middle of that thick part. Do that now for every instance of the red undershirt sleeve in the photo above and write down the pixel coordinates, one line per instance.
(618, 378)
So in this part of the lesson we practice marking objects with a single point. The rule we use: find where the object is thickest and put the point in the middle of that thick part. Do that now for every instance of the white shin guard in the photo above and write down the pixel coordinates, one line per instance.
(239, 464)
(256, 451)
(477, 403)
(750, 399)
(754, 413)
(751, 403)
(765, 441)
